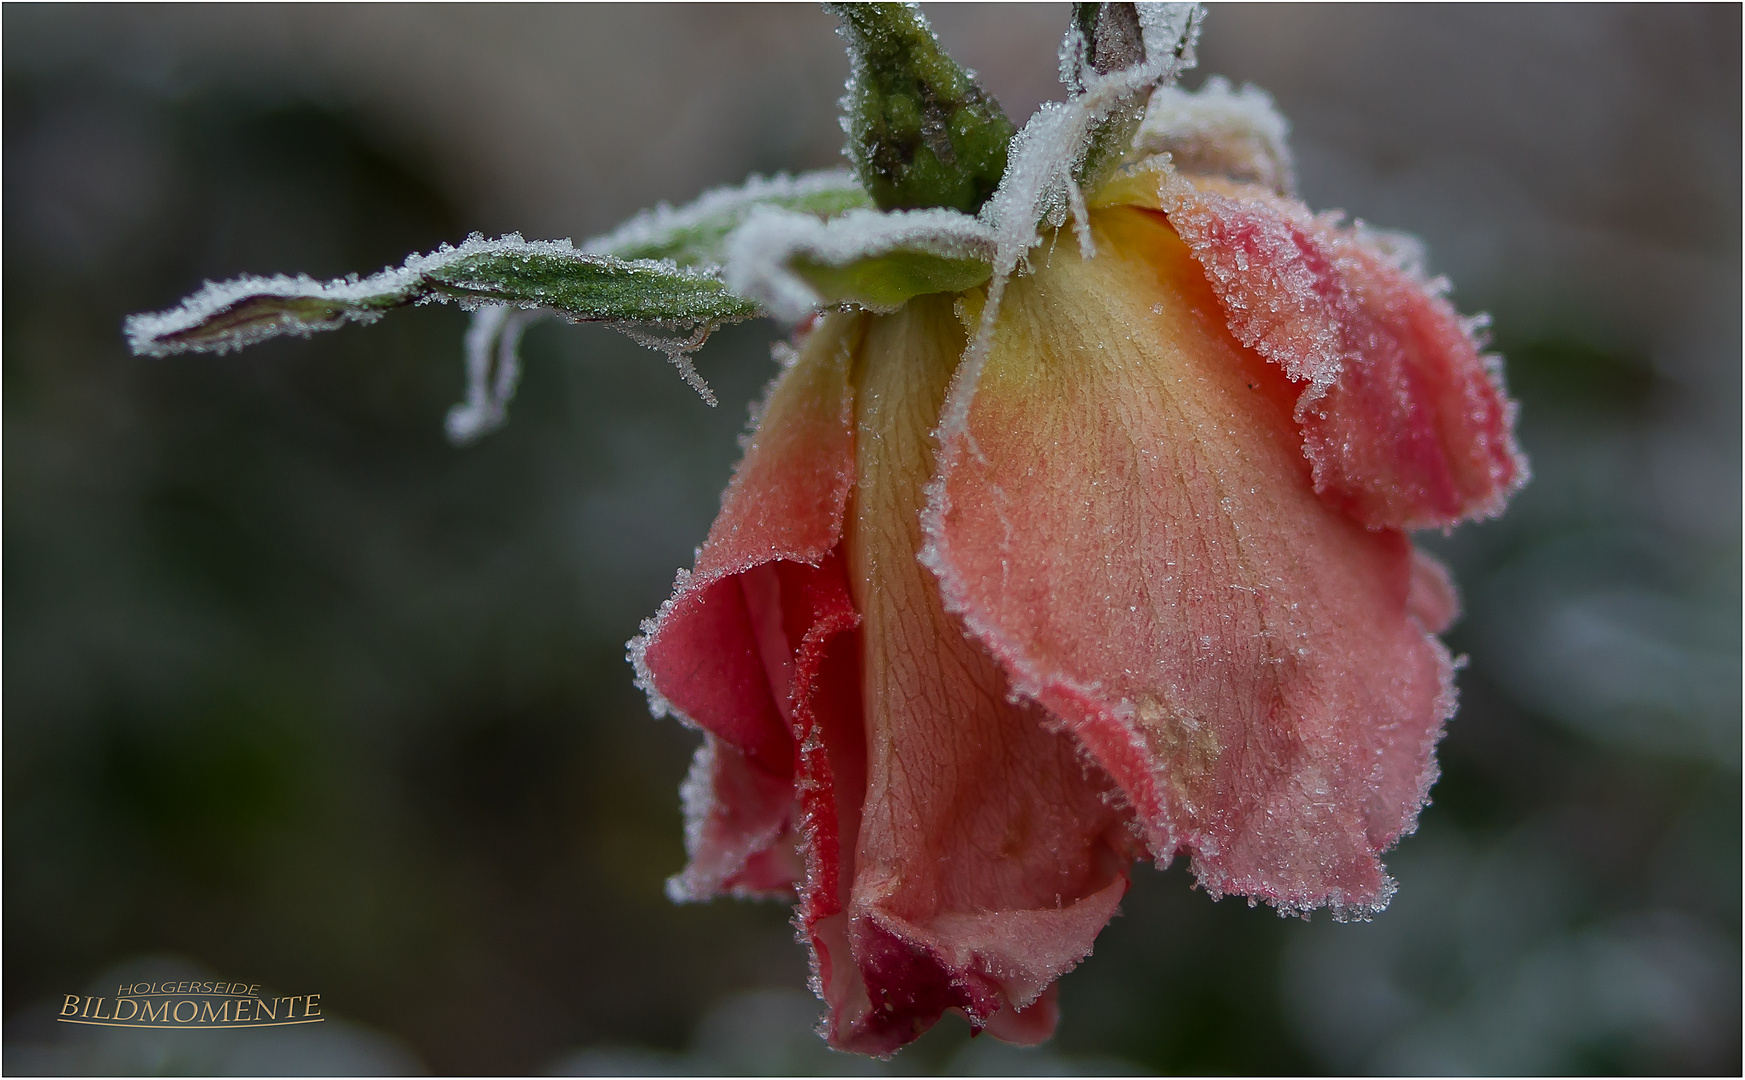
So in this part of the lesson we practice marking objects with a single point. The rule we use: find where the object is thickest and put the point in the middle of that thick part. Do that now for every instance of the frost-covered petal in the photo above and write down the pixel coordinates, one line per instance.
(739, 828)
(1220, 131)
(990, 855)
(1124, 518)
(1406, 422)
(712, 656)
(807, 616)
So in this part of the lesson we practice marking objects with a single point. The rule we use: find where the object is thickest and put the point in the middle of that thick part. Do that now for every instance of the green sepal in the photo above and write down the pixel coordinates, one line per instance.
(921, 131)
(794, 264)
(885, 282)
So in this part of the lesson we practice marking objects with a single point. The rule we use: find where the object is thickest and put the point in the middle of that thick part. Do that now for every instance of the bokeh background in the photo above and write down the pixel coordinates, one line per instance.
(296, 693)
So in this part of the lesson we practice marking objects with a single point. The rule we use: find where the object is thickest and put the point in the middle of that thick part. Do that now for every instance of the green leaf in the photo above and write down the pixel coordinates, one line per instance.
(696, 234)
(549, 275)
(921, 131)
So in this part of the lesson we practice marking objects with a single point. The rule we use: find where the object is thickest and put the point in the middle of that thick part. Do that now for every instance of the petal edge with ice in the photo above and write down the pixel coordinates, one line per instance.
(1124, 520)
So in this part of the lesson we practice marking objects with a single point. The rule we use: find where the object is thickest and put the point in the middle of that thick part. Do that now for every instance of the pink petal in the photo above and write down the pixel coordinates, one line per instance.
(1407, 425)
(1432, 600)
(1126, 520)
(817, 615)
(714, 657)
(989, 855)
(738, 828)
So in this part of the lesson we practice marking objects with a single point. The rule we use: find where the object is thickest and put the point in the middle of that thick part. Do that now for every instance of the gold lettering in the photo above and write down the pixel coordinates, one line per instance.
(208, 1015)
(161, 1014)
(312, 1006)
(99, 1014)
(292, 1011)
(87, 1012)
(254, 990)
(270, 1011)
(71, 1008)
(242, 1005)
(176, 1013)
(119, 1002)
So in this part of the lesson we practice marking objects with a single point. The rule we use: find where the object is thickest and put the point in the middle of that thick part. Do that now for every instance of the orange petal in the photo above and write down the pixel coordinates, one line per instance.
(1125, 519)
(1407, 425)
(989, 855)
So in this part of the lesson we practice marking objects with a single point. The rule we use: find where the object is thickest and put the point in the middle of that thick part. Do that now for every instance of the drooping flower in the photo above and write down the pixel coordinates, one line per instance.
(1072, 533)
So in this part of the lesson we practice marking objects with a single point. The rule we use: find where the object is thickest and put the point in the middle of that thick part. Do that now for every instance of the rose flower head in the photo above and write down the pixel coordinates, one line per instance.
(1073, 531)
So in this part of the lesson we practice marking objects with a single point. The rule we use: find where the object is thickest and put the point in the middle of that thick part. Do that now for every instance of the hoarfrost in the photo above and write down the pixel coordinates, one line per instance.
(1218, 131)
(508, 283)
(292, 305)
(1047, 156)
(692, 236)
(1402, 251)
(765, 255)
(1042, 177)
(552, 274)
(495, 333)
(678, 345)
(695, 234)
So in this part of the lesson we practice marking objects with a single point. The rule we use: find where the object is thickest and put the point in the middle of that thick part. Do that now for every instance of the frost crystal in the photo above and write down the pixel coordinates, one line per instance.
(495, 333)
(695, 234)
(1047, 158)
(1220, 132)
(692, 236)
(549, 274)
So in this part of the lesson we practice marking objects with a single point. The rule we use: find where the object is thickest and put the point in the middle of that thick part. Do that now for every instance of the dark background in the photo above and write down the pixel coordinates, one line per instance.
(298, 694)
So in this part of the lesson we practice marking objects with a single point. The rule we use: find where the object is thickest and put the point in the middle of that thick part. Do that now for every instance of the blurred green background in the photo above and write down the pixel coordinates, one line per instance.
(298, 694)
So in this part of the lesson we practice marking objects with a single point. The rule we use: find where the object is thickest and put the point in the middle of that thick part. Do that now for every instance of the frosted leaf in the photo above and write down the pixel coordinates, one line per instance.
(495, 334)
(1217, 131)
(695, 234)
(794, 264)
(554, 275)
